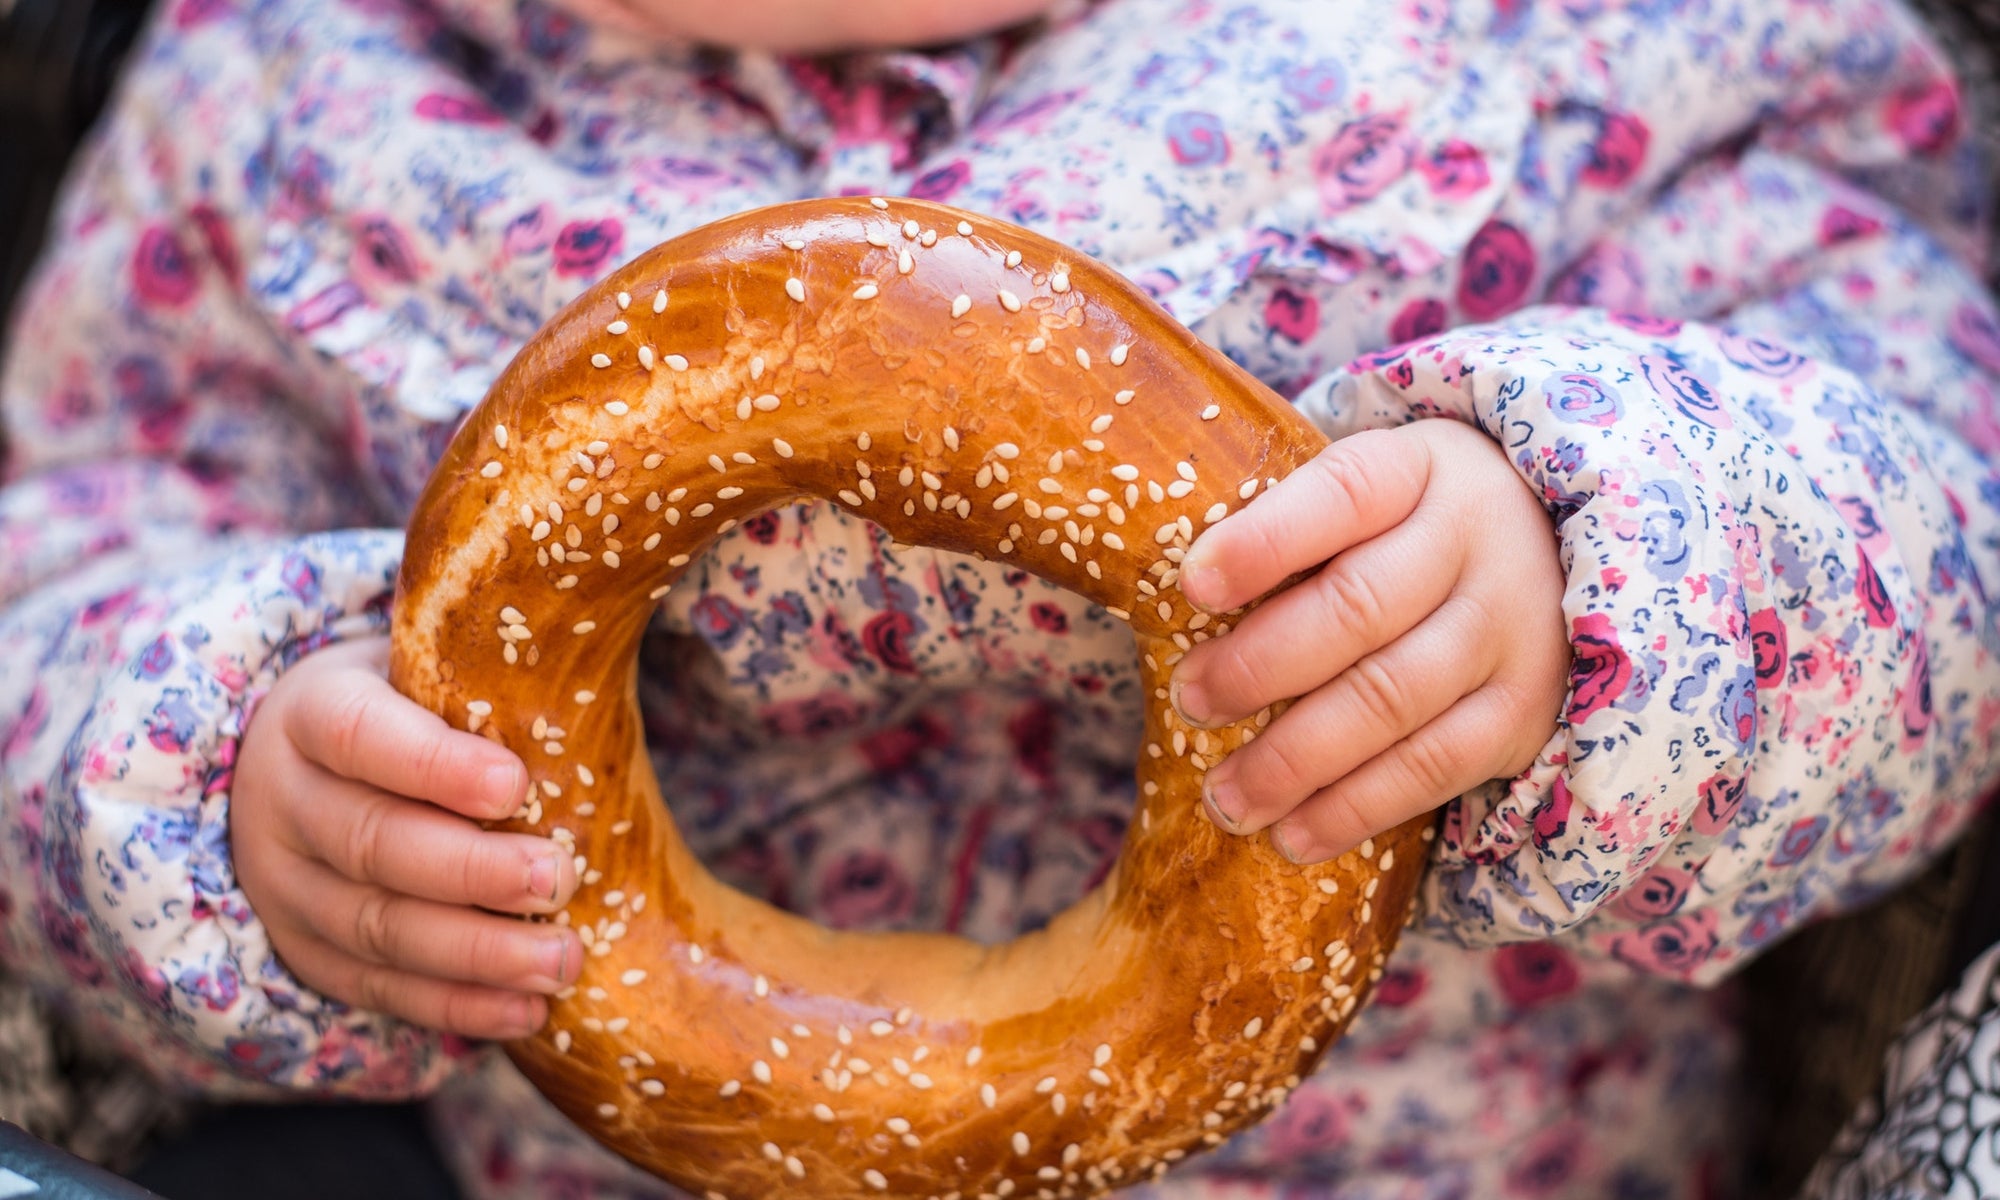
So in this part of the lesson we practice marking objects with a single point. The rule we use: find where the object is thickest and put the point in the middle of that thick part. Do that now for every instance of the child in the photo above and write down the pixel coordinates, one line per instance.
(1696, 565)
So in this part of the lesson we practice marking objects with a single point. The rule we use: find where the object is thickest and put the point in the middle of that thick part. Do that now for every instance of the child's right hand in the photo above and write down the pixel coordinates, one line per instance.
(352, 829)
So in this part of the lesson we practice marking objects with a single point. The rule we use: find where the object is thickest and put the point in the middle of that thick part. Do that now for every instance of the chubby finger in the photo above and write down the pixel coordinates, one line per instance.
(441, 941)
(1473, 741)
(407, 846)
(1365, 710)
(1319, 627)
(1348, 493)
(468, 1010)
(357, 726)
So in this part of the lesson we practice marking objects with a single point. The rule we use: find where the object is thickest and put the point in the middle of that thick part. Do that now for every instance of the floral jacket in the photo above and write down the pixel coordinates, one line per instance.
(1705, 268)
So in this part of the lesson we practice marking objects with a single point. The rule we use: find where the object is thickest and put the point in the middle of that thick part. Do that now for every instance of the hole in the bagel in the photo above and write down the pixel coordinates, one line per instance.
(892, 747)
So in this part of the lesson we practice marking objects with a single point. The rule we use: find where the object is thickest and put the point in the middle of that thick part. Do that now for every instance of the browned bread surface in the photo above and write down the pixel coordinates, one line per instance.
(967, 385)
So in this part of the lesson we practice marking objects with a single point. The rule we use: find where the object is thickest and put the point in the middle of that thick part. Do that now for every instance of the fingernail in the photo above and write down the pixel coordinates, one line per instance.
(556, 958)
(529, 1013)
(1225, 804)
(542, 877)
(1286, 841)
(1204, 587)
(502, 786)
(1190, 702)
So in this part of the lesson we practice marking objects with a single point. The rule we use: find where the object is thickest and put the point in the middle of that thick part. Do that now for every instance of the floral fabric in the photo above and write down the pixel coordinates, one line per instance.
(1706, 270)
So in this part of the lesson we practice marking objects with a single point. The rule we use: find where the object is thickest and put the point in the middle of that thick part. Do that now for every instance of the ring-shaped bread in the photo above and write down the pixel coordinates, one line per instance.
(971, 386)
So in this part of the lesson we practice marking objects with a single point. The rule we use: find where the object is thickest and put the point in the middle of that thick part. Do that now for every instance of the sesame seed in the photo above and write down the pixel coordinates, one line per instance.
(761, 1070)
(616, 408)
(1020, 1142)
(1255, 1027)
(600, 360)
(772, 1152)
(1037, 345)
(616, 328)
(794, 1167)
(1185, 470)
(878, 239)
(904, 262)
(696, 954)
(731, 1088)
(878, 202)
(794, 244)
(1211, 412)
(660, 301)
(1388, 863)
(728, 493)
(881, 1028)
(624, 301)
(875, 1179)
(563, 1041)
(607, 1110)
(779, 1048)
(1083, 358)
(1059, 282)
(987, 1095)
(965, 229)
(1179, 489)
(1125, 471)
(1103, 1055)
(1098, 1077)
(920, 1081)
(1007, 450)
(1013, 258)
(1124, 397)
(973, 1056)
(1008, 301)
(1118, 354)
(867, 291)
(652, 1087)
(795, 290)
(491, 469)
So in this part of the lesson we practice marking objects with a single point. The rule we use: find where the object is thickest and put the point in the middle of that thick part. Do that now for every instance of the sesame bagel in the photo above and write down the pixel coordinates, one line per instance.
(969, 386)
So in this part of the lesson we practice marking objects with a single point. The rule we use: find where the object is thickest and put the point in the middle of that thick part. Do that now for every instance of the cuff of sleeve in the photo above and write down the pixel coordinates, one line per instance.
(149, 825)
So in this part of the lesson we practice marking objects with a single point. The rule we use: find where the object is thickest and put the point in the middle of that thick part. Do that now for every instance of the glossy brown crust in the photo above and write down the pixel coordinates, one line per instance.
(970, 386)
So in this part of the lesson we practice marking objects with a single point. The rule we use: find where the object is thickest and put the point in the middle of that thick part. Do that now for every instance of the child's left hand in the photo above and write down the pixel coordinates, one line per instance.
(1429, 655)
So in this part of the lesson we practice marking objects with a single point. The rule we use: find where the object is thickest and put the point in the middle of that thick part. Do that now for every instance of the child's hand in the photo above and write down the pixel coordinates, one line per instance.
(343, 831)
(1429, 655)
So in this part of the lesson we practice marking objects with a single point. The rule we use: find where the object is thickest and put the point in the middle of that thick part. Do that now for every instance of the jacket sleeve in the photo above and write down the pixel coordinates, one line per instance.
(1781, 533)
(158, 570)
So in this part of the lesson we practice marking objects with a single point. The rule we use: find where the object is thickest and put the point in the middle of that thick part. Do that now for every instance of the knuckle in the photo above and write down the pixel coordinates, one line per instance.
(367, 836)
(1337, 821)
(1379, 691)
(1349, 599)
(349, 710)
(1276, 766)
(1431, 765)
(375, 927)
(375, 990)
(1343, 471)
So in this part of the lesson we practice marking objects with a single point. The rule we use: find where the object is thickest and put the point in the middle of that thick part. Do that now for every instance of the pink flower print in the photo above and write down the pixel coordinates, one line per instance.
(1924, 118)
(1677, 946)
(1455, 170)
(1292, 315)
(1974, 334)
(1364, 157)
(1604, 277)
(1658, 893)
(1315, 86)
(1546, 1165)
(382, 256)
(1197, 139)
(1876, 606)
(458, 110)
(1767, 644)
(528, 233)
(1583, 400)
(1532, 973)
(1498, 267)
(1313, 1121)
(1840, 223)
(585, 247)
(942, 183)
(1798, 840)
(1418, 319)
(1618, 152)
(218, 241)
(866, 889)
(1671, 380)
(1599, 672)
(1401, 986)
(162, 272)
